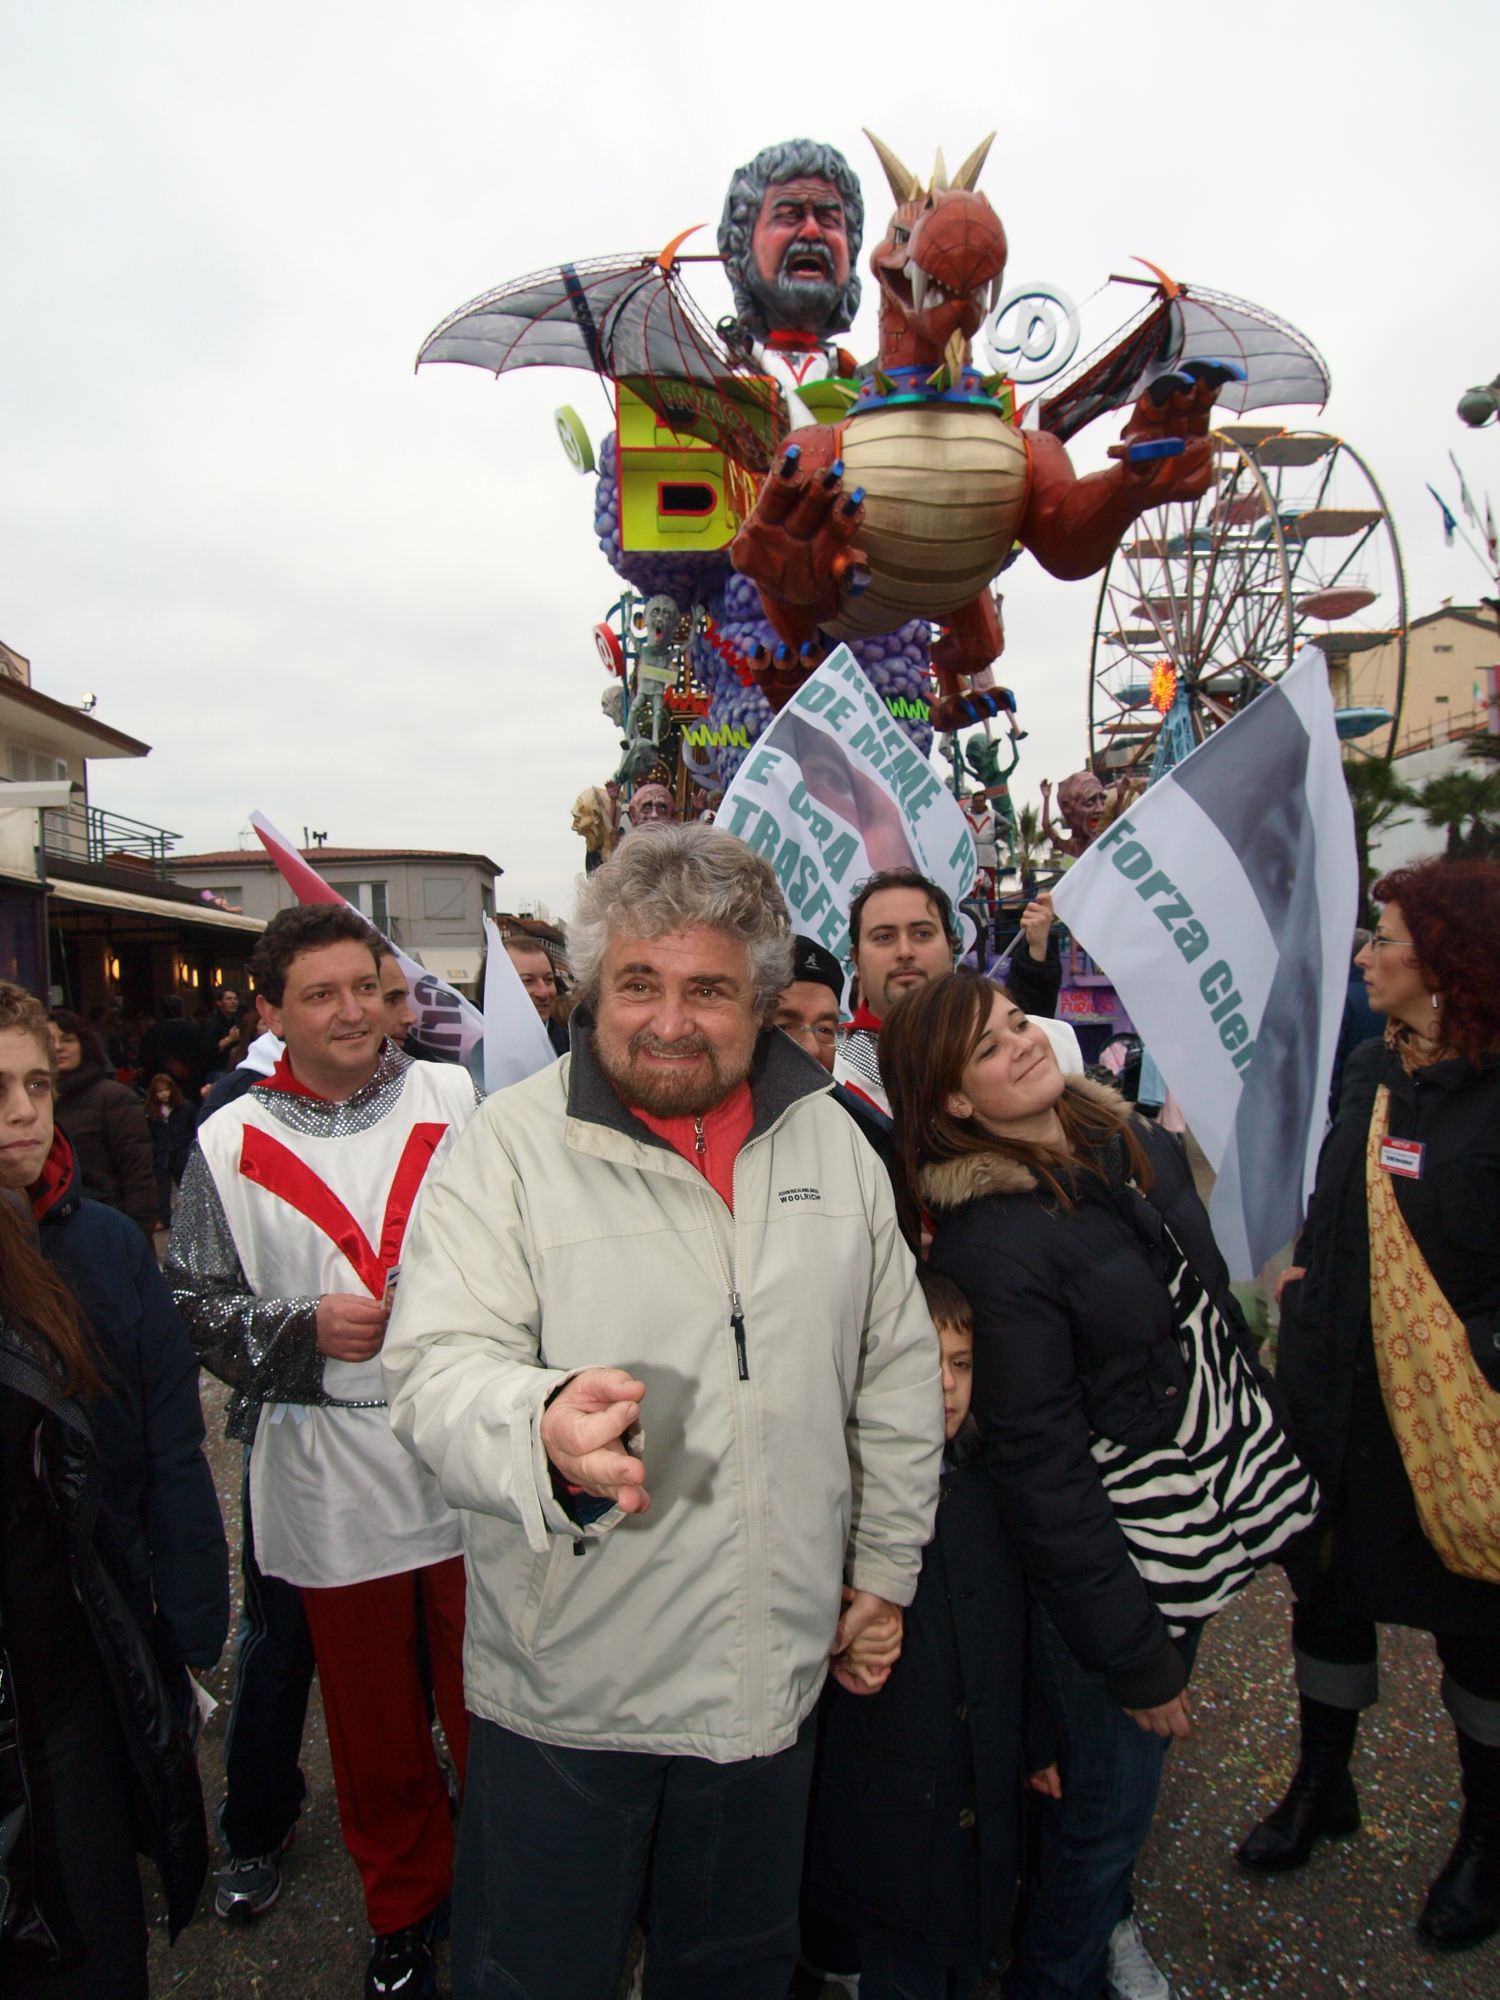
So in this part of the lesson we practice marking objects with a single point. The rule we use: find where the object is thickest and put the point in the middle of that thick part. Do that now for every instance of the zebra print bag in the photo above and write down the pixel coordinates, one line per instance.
(1203, 1513)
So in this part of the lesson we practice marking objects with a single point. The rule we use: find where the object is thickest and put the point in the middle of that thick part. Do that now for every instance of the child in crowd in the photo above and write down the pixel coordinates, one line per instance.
(914, 1834)
(173, 1122)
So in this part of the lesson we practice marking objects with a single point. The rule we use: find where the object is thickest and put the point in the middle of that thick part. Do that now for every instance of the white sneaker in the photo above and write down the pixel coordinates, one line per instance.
(1132, 1972)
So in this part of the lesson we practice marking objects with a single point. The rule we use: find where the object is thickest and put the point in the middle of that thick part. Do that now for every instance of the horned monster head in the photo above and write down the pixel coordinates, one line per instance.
(942, 259)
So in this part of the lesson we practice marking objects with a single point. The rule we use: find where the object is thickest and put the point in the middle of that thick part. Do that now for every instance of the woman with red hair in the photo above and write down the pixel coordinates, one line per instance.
(1390, 1365)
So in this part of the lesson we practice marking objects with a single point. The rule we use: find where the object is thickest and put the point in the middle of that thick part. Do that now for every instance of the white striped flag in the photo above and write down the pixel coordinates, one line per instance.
(1222, 906)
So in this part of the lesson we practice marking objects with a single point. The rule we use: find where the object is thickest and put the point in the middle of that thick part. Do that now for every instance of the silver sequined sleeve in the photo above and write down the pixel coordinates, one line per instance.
(264, 1347)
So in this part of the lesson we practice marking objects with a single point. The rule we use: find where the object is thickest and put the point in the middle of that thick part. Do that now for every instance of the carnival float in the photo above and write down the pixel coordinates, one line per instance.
(762, 495)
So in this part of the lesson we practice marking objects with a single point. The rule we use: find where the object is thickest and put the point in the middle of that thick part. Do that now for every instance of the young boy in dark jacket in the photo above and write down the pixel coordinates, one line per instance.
(914, 1834)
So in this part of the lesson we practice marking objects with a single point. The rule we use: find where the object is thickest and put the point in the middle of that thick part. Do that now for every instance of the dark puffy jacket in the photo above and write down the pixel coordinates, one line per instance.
(157, 1492)
(168, 1802)
(107, 1125)
(1452, 1109)
(916, 1810)
(1075, 1335)
(1386, 1567)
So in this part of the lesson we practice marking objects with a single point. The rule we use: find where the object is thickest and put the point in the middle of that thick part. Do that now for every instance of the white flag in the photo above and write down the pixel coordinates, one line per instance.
(1222, 907)
(836, 790)
(515, 1041)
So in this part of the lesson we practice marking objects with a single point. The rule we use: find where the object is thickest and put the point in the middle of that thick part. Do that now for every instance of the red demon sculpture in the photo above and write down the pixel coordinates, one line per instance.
(909, 508)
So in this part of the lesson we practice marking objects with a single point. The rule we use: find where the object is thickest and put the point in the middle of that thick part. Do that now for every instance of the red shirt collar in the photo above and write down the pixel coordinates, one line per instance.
(53, 1182)
(793, 340)
(283, 1077)
(863, 1018)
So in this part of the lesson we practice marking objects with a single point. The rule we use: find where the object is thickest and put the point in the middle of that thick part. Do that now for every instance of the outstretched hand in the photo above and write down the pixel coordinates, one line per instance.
(1175, 409)
(798, 546)
(583, 1433)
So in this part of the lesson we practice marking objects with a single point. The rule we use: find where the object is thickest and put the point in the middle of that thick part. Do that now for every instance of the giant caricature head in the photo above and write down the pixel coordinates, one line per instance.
(790, 232)
(1082, 801)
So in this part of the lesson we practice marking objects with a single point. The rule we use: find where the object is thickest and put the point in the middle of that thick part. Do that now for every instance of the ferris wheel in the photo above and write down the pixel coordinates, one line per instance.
(1209, 602)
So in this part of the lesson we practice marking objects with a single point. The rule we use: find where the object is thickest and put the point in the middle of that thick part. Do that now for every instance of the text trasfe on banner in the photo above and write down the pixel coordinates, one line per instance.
(835, 791)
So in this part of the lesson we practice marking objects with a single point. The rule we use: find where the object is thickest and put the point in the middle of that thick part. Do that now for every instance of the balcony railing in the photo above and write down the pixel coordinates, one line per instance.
(90, 834)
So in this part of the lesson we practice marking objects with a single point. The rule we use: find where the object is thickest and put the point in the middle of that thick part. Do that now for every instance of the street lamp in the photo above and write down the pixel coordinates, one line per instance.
(1478, 406)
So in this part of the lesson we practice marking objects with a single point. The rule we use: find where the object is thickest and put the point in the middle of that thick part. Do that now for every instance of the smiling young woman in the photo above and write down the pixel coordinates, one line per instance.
(1105, 1332)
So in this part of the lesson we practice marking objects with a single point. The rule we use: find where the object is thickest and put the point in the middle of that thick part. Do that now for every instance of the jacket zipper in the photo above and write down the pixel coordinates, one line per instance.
(737, 1327)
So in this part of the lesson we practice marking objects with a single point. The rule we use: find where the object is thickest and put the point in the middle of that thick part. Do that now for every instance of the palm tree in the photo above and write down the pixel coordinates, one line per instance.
(1028, 841)
(1379, 799)
(1466, 804)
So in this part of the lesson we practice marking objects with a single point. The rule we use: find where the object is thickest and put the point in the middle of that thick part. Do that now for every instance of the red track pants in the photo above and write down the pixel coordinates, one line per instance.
(393, 1804)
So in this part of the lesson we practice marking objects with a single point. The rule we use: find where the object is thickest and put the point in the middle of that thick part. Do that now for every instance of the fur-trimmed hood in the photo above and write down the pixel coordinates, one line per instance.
(953, 1183)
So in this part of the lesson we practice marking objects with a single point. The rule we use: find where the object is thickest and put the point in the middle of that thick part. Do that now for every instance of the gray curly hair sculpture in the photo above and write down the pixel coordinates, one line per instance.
(787, 160)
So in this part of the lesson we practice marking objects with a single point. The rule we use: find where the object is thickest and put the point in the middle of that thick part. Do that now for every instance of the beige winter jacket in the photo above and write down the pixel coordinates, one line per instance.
(563, 1235)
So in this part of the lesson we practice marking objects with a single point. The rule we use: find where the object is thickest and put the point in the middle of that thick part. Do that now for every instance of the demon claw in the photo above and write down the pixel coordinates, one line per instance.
(1213, 373)
(856, 579)
(789, 459)
(1165, 387)
(853, 503)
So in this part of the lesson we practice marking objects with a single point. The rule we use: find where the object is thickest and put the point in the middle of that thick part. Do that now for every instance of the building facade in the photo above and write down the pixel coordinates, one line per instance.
(430, 901)
(88, 912)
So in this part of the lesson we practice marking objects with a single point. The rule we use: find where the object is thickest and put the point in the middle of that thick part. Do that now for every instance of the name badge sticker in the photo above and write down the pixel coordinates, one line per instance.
(1403, 1156)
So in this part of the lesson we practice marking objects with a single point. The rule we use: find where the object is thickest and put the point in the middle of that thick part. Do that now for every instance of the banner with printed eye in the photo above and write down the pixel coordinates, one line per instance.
(1222, 907)
(835, 791)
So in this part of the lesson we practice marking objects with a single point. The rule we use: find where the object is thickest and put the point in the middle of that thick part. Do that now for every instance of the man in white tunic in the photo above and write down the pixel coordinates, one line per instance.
(284, 1262)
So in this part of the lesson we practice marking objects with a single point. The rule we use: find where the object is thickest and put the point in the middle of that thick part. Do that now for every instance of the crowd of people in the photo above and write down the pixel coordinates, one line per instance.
(757, 1487)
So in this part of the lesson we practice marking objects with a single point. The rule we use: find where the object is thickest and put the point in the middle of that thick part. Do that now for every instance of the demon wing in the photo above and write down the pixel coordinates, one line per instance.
(1191, 323)
(631, 320)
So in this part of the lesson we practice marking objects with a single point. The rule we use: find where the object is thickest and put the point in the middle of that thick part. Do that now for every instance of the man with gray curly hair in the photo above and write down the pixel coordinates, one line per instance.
(790, 232)
(660, 1340)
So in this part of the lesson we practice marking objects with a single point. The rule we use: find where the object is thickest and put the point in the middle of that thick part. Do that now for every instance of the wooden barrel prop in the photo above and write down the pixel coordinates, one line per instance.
(945, 489)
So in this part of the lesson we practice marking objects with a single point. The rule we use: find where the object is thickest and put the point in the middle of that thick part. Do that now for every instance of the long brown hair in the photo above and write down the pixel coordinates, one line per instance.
(925, 1046)
(40, 1306)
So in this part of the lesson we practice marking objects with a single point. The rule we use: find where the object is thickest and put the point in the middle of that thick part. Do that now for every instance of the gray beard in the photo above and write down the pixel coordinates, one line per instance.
(686, 1096)
(804, 305)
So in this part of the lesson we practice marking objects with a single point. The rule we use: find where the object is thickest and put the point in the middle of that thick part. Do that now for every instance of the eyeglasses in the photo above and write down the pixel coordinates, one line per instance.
(1380, 938)
(822, 1032)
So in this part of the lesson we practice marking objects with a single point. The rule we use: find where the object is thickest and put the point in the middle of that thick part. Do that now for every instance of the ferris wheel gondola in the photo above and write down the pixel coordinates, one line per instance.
(1207, 603)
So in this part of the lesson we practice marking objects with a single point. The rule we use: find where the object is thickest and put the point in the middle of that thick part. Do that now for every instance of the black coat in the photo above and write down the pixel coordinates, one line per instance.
(157, 1492)
(916, 1810)
(1075, 1334)
(107, 1125)
(168, 1799)
(172, 1138)
(1386, 1568)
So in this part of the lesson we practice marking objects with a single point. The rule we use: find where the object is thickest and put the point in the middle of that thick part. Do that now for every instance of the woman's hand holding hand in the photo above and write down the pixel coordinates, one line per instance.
(1172, 1718)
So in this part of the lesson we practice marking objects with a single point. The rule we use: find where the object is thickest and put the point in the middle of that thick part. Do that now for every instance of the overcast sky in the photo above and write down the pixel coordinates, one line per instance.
(361, 600)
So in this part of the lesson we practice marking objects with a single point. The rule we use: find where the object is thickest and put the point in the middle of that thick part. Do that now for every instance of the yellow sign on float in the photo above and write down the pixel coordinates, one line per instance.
(677, 491)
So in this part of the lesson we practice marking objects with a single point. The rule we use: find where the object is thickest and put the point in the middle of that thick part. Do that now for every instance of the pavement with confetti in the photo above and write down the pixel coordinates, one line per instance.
(1341, 1926)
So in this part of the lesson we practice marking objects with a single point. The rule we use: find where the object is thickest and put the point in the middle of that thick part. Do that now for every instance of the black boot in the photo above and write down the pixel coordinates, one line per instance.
(1321, 1798)
(1463, 1904)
